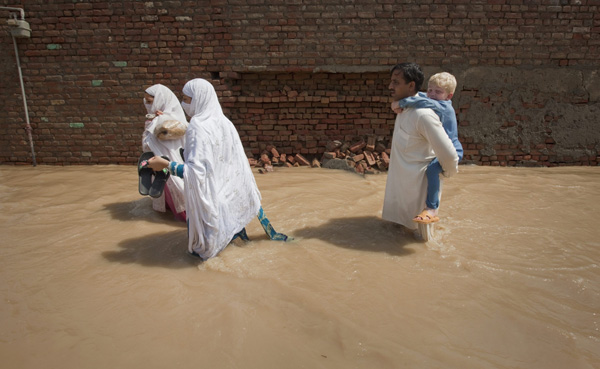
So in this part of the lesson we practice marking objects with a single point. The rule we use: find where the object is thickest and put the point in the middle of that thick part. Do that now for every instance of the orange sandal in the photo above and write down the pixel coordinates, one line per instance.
(426, 217)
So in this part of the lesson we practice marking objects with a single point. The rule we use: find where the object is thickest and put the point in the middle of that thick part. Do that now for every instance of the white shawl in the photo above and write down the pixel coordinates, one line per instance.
(165, 101)
(220, 190)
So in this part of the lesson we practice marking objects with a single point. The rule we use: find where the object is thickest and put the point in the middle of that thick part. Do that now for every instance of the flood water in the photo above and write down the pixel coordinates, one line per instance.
(92, 277)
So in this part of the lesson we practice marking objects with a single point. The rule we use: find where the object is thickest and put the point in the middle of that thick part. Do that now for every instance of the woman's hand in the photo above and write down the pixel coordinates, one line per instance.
(159, 112)
(157, 163)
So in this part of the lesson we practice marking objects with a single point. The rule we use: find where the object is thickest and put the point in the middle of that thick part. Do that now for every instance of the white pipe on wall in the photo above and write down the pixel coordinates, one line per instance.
(28, 125)
(20, 10)
(23, 30)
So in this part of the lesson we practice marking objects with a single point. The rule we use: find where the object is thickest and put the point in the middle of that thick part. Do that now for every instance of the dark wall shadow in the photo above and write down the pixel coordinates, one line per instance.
(362, 233)
(168, 250)
(141, 210)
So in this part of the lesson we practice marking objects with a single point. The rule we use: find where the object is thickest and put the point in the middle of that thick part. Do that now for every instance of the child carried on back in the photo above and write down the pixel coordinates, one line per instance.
(440, 90)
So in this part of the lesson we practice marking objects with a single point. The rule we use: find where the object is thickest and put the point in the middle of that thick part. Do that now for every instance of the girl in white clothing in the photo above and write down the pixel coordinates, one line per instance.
(164, 136)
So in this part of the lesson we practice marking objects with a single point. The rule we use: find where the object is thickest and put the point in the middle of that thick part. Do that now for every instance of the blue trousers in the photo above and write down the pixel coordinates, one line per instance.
(434, 169)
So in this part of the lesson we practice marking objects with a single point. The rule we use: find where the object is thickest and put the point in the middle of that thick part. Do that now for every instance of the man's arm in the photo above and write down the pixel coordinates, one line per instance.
(431, 128)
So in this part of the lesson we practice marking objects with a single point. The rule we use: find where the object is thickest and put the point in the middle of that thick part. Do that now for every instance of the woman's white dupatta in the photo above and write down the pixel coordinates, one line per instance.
(220, 191)
(165, 101)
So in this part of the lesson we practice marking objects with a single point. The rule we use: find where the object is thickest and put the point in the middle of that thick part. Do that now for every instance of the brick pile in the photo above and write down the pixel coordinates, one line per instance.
(370, 155)
(270, 158)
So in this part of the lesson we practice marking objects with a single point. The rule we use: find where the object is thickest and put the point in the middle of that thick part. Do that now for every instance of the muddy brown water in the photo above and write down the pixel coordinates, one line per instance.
(92, 277)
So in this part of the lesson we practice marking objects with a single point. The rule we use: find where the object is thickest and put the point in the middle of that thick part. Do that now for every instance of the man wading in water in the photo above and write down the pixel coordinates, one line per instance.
(418, 138)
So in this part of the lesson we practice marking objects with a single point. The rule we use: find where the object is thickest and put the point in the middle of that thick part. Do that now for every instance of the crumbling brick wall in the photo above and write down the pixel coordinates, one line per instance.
(299, 73)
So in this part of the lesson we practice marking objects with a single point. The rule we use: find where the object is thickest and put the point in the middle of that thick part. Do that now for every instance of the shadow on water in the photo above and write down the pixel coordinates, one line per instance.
(141, 210)
(167, 250)
(362, 233)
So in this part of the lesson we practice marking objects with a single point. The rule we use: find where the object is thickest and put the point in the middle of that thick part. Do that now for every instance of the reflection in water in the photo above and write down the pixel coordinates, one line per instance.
(93, 277)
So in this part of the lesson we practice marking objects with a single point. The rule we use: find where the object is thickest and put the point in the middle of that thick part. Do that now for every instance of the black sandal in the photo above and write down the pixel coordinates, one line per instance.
(145, 173)
(160, 180)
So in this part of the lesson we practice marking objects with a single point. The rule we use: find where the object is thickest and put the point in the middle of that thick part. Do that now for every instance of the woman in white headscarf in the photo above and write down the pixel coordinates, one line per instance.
(164, 136)
(220, 190)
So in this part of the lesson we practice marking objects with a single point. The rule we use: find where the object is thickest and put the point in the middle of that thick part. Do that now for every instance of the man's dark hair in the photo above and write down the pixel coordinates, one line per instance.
(412, 73)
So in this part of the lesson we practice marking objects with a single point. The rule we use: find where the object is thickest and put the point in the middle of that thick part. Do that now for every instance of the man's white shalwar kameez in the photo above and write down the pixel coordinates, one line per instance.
(418, 138)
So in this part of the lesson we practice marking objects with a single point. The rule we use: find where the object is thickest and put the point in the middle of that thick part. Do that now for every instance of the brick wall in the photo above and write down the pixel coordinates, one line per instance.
(300, 112)
(299, 73)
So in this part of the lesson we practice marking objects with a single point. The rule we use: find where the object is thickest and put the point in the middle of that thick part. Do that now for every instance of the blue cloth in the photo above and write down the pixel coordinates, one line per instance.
(268, 228)
(265, 223)
(242, 235)
(443, 109)
(434, 169)
(447, 115)
(176, 169)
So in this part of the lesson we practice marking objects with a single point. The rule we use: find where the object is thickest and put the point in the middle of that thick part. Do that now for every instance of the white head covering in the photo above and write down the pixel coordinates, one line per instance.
(220, 191)
(165, 101)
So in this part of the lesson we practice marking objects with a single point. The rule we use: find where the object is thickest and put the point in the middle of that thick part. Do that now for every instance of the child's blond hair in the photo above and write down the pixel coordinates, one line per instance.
(444, 80)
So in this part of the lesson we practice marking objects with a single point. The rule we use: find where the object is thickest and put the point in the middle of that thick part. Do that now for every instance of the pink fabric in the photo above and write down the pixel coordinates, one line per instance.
(171, 205)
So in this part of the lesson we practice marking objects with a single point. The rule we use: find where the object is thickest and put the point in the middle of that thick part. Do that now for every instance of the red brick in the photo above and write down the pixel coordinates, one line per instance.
(358, 158)
(369, 158)
(300, 159)
(358, 146)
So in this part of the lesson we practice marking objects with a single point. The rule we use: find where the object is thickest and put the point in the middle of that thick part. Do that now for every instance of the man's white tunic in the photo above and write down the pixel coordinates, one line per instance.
(418, 138)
